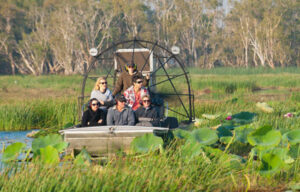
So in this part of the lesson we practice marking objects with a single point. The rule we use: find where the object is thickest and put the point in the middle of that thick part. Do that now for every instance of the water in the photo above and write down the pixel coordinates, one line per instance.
(9, 137)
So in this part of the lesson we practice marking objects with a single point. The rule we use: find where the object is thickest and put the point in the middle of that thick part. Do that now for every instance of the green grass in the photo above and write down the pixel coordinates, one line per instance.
(167, 171)
(50, 113)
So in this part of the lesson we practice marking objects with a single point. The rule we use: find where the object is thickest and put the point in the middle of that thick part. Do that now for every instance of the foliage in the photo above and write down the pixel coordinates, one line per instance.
(146, 143)
(12, 151)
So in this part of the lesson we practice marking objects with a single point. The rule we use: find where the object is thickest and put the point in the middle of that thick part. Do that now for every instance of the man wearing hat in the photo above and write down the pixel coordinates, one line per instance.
(125, 79)
(120, 114)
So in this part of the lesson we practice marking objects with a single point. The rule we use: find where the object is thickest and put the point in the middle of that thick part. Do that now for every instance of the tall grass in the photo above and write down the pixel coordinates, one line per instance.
(38, 114)
(167, 171)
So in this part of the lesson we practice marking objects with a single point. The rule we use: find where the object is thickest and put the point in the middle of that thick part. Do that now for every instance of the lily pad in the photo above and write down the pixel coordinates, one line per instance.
(83, 158)
(264, 137)
(12, 151)
(242, 132)
(204, 136)
(225, 139)
(190, 150)
(270, 163)
(293, 136)
(54, 140)
(243, 117)
(282, 153)
(146, 143)
(222, 132)
(181, 134)
(49, 155)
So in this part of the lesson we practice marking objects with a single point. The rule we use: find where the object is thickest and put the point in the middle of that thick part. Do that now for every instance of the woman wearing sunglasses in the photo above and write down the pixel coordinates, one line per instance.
(103, 94)
(146, 114)
(134, 93)
(94, 116)
(125, 79)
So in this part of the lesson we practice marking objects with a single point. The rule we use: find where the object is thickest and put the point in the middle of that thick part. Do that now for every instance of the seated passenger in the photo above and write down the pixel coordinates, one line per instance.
(103, 94)
(125, 79)
(134, 93)
(120, 114)
(146, 114)
(93, 116)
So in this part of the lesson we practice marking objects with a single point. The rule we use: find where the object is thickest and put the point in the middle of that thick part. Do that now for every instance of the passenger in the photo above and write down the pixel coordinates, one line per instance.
(146, 114)
(120, 114)
(134, 93)
(103, 94)
(125, 79)
(94, 116)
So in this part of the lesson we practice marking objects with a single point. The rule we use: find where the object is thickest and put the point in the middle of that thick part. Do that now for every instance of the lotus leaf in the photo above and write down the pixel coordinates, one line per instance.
(204, 136)
(280, 152)
(181, 134)
(54, 140)
(228, 125)
(222, 132)
(210, 117)
(264, 107)
(293, 136)
(264, 137)
(225, 139)
(146, 143)
(12, 151)
(83, 158)
(49, 155)
(270, 163)
(243, 117)
(190, 150)
(242, 132)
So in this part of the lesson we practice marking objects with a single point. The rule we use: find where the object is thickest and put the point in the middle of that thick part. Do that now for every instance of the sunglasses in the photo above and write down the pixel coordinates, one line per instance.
(95, 104)
(139, 82)
(103, 83)
(122, 101)
(130, 66)
(146, 101)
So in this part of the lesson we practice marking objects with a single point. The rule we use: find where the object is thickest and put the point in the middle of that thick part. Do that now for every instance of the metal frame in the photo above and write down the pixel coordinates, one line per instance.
(189, 112)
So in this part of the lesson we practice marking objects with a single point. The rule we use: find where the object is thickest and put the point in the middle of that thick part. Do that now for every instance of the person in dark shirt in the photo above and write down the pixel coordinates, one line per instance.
(146, 114)
(125, 79)
(94, 116)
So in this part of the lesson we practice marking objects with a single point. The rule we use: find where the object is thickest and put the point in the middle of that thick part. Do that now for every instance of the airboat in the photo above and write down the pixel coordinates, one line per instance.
(169, 86)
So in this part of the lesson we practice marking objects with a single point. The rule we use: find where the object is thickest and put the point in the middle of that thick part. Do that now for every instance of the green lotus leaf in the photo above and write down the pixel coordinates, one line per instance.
(293, 136)
(146, 143)
(264, 137)
(49, 155)
(204, 136)
(242, 132)
(270, 163)
(181, 134)
(222, 132)
(83, 158)
(243, 117)
(225, 139)
(282, 153)
(54, 140)
(12, 151)
(190, 150)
